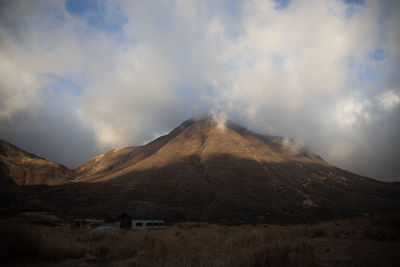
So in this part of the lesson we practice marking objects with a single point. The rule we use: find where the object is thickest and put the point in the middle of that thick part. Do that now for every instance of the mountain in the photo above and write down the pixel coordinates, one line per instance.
(23, 168)
(202, 170)
(199, 141)
(205, 171)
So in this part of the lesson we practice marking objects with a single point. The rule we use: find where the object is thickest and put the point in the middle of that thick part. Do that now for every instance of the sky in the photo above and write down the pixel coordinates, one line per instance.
(78, 78)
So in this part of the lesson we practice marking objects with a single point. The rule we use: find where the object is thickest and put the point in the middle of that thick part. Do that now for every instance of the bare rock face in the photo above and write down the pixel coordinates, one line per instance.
(24, 168)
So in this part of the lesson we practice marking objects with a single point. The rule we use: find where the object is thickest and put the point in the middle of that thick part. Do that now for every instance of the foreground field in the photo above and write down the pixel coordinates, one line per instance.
(361, 241)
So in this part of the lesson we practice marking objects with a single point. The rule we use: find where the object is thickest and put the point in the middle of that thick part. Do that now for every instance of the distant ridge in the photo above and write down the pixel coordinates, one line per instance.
(25, 168)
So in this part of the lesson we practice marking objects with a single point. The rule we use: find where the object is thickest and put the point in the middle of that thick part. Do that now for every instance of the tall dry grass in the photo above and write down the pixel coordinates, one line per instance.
(189, 244)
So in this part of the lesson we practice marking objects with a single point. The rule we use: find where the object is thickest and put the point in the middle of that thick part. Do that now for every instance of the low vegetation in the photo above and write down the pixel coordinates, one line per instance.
(194, 244)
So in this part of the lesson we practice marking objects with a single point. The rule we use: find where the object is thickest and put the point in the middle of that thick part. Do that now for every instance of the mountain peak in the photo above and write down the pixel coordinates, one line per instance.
(229, 129)
(202, 139)
(208, 120)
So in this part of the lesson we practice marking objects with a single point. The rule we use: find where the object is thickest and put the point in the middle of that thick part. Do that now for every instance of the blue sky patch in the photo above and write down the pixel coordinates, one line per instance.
(281, 4)
(378, 55)
(352, 7)
(366, 74)
(96, 14)
(357, 2)
(62, 84)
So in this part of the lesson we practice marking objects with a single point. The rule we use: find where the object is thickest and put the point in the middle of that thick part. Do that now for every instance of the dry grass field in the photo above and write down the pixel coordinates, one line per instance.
(359, 241)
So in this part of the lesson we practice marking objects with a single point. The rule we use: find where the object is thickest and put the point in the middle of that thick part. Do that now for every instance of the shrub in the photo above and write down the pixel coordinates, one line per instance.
(18, 241)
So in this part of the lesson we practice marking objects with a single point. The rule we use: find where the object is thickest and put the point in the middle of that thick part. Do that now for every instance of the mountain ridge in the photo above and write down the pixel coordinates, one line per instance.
(205, 171)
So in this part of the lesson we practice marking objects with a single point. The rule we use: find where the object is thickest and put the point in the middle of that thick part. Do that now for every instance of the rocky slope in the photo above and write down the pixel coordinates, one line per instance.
(23, 168)
(203, 140)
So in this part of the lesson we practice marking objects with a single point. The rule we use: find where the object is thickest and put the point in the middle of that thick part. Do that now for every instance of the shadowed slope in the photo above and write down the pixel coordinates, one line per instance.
(221, 189)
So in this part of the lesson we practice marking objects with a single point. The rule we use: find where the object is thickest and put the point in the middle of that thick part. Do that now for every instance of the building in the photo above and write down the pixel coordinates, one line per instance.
(141, 221)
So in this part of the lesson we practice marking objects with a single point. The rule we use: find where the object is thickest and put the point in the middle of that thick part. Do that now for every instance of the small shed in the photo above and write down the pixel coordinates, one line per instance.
(141, 221)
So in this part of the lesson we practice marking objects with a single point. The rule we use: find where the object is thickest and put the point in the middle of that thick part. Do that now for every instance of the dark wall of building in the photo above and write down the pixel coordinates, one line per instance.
(126, 222)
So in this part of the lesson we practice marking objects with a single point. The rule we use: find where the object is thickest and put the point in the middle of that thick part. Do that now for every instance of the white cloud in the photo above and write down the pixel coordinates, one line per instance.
(389, 100)
(350, 111)
(19, 89)
(220, 119)
(293, 146)
(135, 90)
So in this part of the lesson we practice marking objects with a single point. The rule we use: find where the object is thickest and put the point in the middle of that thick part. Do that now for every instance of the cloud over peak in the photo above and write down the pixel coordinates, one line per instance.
(123, 72)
